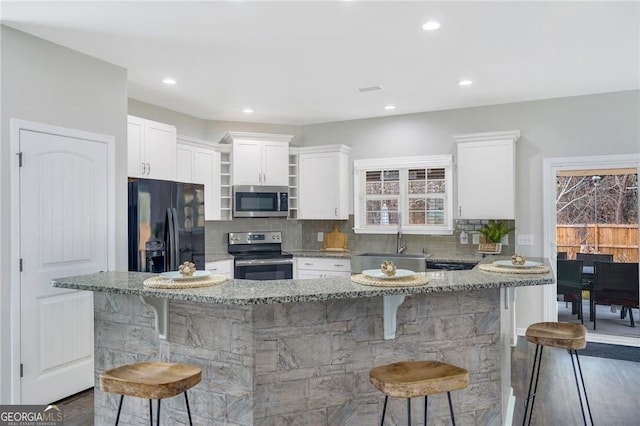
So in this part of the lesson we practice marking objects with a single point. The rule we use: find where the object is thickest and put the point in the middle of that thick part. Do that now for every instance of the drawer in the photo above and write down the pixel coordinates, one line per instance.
(221, 267)
(324, 264)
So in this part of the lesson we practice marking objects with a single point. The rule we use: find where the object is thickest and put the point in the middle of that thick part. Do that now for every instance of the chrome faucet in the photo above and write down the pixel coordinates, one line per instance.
(400, 243)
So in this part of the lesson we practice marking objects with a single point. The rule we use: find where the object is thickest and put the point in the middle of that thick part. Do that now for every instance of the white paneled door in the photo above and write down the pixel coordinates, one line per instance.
(63, 232)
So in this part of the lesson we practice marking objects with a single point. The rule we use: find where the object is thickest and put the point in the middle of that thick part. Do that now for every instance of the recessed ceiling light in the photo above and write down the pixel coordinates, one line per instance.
(431, 25)
(247, 111)
(169, 81)
(389, 107)
(465, 83)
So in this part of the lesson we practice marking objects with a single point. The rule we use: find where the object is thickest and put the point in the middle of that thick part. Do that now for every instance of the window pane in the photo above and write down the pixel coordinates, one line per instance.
(417, 203)
(435, 204)
(417, 174)
(390, 175)
(392, 205)
(374, 205)
(435, 174)
(374, 188)
(391, 188)
(417, 187)
(416, 218)
(435, 218)
(373, 218)
(436, 187)
(374, 176)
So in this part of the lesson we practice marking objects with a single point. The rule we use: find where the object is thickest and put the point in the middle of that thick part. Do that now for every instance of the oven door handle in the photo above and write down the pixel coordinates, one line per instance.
(265, 262)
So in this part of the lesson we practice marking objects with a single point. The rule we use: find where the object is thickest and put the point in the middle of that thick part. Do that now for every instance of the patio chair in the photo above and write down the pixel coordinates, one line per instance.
(569, 283)
(616, 284)
(589, 258)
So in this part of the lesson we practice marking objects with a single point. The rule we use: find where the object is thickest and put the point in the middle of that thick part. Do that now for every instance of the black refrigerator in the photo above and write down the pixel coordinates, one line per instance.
(166, 225)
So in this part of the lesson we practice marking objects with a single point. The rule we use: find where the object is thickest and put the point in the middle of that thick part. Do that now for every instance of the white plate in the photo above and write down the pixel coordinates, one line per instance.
(378, 274)
(177, 276)
(508, 264)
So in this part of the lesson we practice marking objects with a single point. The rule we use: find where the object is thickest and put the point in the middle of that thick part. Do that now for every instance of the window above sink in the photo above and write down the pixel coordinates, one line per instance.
(409, 194)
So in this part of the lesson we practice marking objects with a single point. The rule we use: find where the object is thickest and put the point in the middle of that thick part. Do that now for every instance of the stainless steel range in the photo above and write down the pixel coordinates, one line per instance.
(259, 256)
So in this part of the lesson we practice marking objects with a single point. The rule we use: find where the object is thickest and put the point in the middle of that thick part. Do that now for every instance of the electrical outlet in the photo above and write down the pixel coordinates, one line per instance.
(320, 236)
(475, 238)
(464, 239)
(525, 239)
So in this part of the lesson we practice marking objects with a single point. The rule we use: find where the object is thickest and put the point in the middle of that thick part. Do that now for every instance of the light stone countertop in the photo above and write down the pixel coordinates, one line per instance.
(248, 292)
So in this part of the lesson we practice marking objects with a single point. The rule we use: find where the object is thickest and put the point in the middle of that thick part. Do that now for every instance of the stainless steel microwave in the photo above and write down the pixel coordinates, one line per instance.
(260, 201)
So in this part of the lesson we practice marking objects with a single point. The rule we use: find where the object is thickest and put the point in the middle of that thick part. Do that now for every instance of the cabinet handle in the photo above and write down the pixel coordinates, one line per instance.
(338, 265)
(260, 177)
(308, 264)
(336, 211)
(264, 178)
(459, 210)
(143, 168)
(213, 269)
(148, 168)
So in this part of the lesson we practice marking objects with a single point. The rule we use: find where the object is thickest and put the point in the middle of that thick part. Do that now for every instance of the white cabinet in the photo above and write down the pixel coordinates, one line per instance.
(323, 182)
(486, 175)
(151, 149)
(322, 267)
(220, 267)
(199, 162)
(259, 158)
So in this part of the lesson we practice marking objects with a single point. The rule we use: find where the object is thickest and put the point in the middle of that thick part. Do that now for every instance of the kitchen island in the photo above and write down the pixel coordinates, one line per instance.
(300, 351)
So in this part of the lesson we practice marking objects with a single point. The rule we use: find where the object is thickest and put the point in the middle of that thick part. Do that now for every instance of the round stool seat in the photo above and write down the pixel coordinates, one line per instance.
(150, 380)
(407, 379)
(563, 335)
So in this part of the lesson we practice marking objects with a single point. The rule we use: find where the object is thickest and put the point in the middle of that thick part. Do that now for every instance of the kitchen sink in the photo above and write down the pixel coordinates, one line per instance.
(413, 262)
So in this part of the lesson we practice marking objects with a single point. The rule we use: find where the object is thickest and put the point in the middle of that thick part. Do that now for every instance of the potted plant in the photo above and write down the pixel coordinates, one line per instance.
(493, 233)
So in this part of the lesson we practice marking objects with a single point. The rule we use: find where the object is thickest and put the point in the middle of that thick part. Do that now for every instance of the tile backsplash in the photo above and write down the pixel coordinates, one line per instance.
(303, 235)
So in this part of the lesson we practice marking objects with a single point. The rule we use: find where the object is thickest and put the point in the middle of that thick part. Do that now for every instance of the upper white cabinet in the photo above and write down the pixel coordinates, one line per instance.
(151, 149)
(486, 175)
(199, 162)
(323, 182)
(259, 158)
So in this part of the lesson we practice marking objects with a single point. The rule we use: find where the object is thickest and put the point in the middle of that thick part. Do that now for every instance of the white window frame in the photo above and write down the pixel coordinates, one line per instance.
(360, 167)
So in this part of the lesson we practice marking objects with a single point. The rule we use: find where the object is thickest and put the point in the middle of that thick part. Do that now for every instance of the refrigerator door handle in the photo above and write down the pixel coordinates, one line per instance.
(175, 247)
(169, 240)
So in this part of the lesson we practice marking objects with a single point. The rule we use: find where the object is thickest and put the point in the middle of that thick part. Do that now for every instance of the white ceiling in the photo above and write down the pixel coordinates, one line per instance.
(301, 62)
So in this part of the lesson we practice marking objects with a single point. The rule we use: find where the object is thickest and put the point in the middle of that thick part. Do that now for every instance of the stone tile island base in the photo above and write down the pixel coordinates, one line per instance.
(304, 363)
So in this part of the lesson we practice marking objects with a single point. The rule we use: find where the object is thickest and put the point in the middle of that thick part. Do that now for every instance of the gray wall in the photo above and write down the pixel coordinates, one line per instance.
(599, 124)
(50, 84)
(210, 130)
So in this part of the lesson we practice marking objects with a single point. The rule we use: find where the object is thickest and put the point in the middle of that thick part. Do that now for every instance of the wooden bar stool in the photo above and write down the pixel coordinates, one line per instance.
(151, 380)
(407, 379)
(563, 335)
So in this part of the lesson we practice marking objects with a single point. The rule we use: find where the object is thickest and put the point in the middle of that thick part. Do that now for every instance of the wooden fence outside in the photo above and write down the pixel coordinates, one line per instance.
(619, 240)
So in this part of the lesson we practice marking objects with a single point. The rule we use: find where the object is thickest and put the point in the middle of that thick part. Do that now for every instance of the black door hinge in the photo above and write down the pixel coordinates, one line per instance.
(19, 159)
(21, 264)
(21, 370)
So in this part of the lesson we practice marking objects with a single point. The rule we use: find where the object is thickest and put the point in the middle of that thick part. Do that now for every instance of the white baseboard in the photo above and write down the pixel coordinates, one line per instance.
(508, 420)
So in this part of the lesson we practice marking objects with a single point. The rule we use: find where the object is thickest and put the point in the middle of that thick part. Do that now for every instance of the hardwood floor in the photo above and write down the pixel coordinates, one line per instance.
(613, 387)
(78, 409)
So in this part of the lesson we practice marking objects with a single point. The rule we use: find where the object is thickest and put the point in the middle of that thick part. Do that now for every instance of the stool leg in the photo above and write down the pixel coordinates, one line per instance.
(384, 409)
(150, 413)
(535, 372)
(584, 389)
(453, 420)
(409, 411)
(186, 400)
(158, 414)
(119, 409)
(425, 410)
